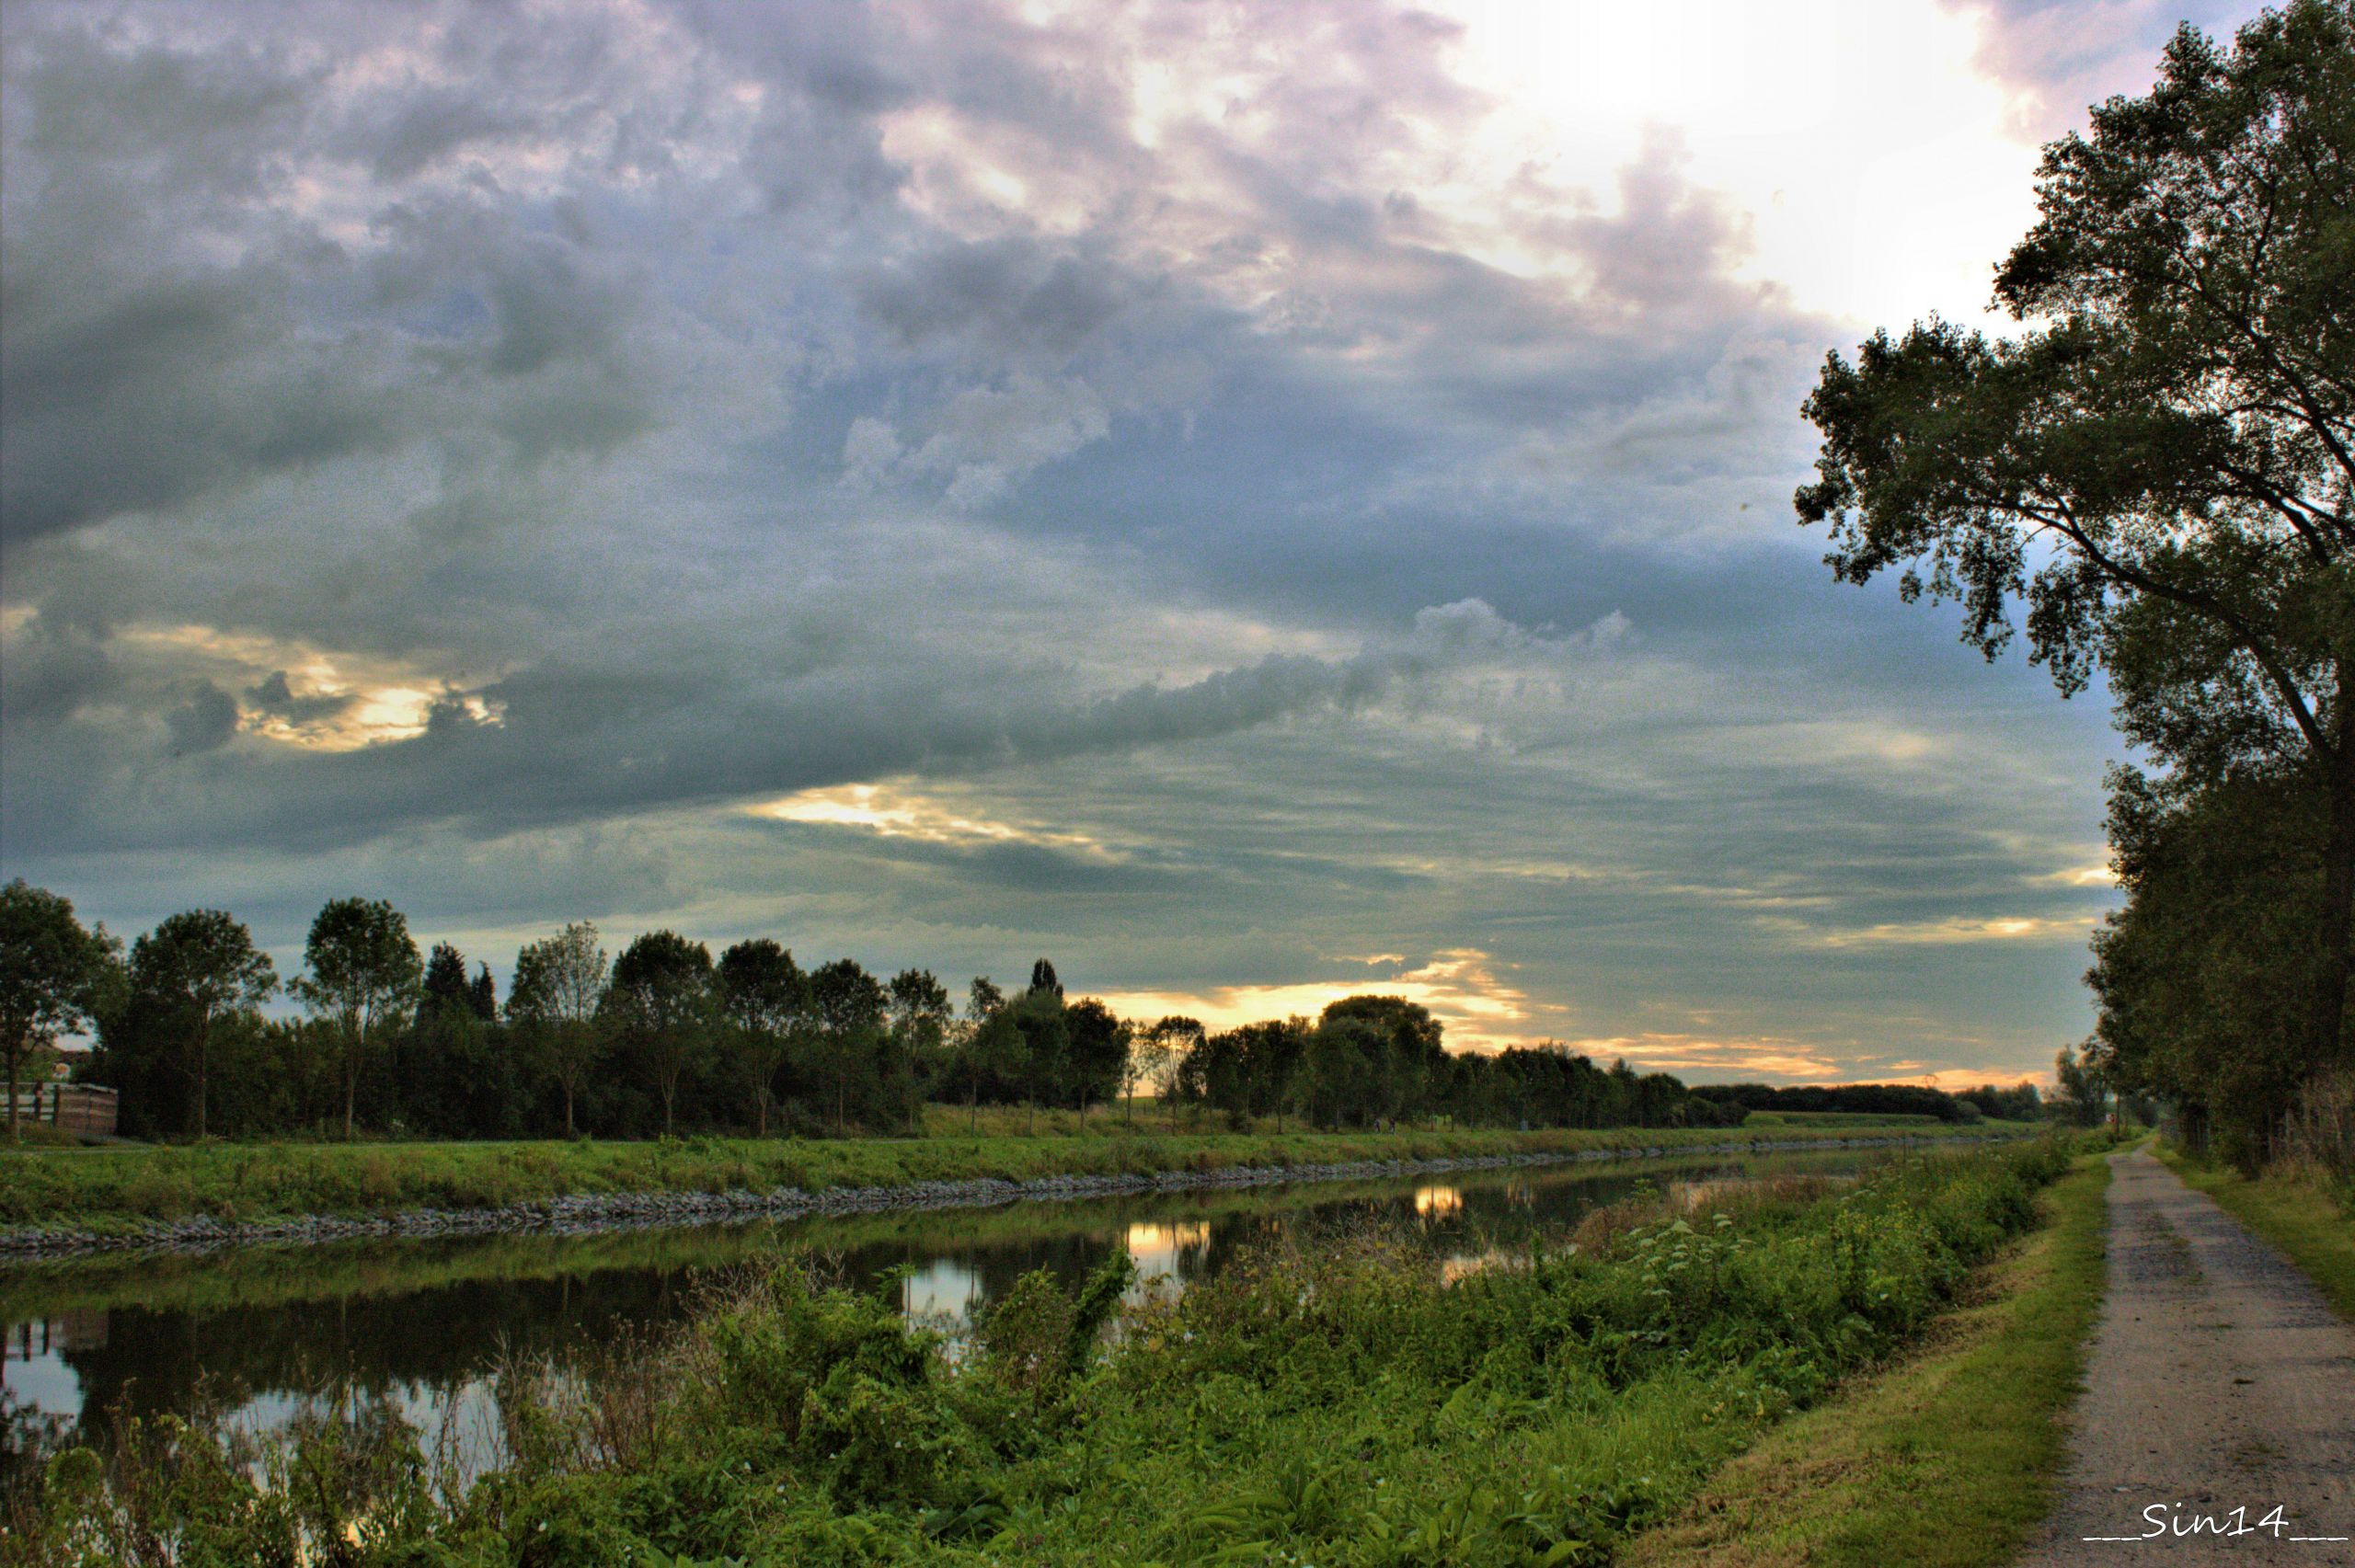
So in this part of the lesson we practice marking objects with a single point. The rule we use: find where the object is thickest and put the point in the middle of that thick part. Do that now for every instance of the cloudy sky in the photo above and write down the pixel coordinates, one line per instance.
(1250, 501)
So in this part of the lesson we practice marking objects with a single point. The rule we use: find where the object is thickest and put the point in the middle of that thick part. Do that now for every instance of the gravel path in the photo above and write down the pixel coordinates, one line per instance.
(2219, 1381)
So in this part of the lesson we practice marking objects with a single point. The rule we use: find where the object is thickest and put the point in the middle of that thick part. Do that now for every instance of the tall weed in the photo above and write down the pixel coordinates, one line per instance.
(1352, 1401)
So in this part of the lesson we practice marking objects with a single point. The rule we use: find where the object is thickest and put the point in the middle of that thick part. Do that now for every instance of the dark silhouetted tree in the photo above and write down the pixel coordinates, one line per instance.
(2160, 464)
(554, 998)
(51, 974)
(764, 998)
(360, 975)
(1165, 1048)
(194, 969)
(663, 1004)
(988, 1053)
(1097, 1061)
(849, 1006)
(445, 988)
(920, 1017)
(1037, 1016)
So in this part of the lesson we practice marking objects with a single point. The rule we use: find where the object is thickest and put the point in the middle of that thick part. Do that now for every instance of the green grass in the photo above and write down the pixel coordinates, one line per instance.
(122, 1189)
(271, 1276)
(2292, 1209)
(1358, 1405)
(1944, 1460)
(1847, 1119)
(37, 1135)
(376, 1267)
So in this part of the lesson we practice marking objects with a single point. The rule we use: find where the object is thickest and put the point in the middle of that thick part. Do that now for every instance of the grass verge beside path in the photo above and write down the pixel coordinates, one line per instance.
(1946, 1458)
(2296, 1213)
(123, 1189)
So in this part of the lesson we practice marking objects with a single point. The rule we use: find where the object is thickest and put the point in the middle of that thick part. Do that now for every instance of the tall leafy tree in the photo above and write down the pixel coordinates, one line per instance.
(554, 998)
(483, 995)
(2159, 463)
(988, 1052)
(361, 976)
(1415, 1059)
(197, 968)
(663, 1004)
(920, 1011)
(983, 996)
(1098, 1062)
(1271, 1052)
(1216, 1074)
(849, 1006)
(1037, 1017)
(765, 999)
(457, 1073)
(2224, 891)
(1343, 1070)
(51, 970)
(919, 1018)
(2081, 1094)
(1165, 1049)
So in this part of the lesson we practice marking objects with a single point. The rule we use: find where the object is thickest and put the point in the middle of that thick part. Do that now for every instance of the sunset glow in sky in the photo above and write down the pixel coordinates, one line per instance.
(1251, 502)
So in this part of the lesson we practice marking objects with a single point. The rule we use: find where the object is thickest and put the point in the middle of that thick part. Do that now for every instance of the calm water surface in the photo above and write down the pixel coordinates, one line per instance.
(416, 1326)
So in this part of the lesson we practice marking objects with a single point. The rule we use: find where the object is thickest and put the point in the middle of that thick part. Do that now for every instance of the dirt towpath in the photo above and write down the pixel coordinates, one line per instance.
(2219, 1381)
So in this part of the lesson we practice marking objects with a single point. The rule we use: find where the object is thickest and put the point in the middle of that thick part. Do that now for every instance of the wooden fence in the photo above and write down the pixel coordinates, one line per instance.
(70, 1107)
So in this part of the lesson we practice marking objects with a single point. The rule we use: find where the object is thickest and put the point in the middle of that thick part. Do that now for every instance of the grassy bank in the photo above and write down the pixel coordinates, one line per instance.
(123, 1189)
(1945, 1460)
(1362, 1404)
(259, 1277)
(2296, 1210)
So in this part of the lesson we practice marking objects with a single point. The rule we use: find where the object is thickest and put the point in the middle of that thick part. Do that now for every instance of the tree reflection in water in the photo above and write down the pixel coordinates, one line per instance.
(376, 1335)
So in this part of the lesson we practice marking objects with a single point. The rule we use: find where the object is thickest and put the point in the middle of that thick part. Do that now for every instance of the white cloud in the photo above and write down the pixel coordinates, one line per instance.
(1459, 986)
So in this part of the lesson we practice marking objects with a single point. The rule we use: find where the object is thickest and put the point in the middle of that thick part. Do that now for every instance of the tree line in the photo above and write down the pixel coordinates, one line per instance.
(2021, 1102)
(2158, 468)
(662, 1036)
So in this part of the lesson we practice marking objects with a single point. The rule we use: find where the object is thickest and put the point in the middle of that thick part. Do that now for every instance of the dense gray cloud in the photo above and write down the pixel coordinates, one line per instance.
(496, 456)
(205, 721)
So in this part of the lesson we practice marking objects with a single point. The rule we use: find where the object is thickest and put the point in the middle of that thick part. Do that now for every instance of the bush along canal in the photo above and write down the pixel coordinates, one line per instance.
(1519, 1367)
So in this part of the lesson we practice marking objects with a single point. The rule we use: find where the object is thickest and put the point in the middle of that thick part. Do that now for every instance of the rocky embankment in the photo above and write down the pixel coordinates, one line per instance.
(582, 1213)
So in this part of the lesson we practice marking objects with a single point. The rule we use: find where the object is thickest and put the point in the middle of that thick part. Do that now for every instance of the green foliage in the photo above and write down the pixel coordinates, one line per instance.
(1347, 1404)
(53, 975)
(1886, 1100)
(764, 1001)
(662, 1005)
(664, 1039)
(552, 1004)
(194, 973)
(118, 1188)
(2205, 975)
(1948, 1458)
(2158, 468)
(361, 978)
